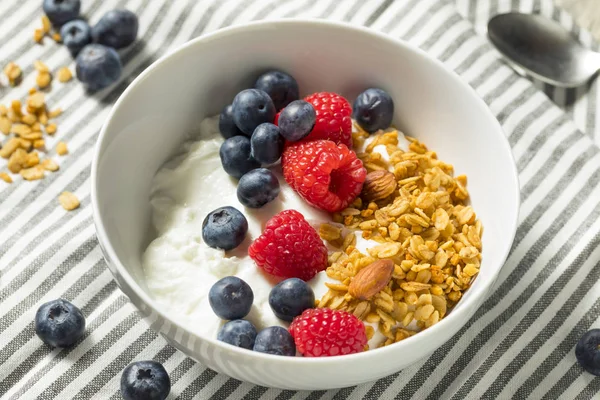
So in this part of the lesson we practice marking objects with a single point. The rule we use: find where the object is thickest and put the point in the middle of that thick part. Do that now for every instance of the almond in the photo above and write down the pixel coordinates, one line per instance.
(371, 280)
(379, 185)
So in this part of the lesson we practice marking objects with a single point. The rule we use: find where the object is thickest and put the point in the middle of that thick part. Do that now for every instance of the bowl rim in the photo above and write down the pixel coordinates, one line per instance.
(364, 356)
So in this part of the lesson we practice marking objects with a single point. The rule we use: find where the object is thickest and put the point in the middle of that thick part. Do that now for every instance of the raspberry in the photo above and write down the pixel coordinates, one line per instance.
(321, 332)
(334, 118)
(326, 175)
(289, 247)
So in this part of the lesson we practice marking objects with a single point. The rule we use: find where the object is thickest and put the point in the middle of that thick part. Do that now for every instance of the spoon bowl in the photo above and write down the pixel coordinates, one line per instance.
(543, 48)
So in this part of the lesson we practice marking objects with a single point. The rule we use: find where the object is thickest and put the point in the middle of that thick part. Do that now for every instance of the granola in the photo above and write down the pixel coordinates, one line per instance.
(425, 226)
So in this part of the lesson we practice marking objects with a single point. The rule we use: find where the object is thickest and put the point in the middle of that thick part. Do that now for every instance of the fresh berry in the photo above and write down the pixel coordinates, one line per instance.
(145, 380)
(61, 11)
(322, 332)
(373, 110)
(231, 298)
(281, 87)
(275, 340)
(224, 228)
(116, 29)
(98, 66)
(289, 247)
(257, 188)
(239, 332)
(252, 107)
(236, 156)
(290, 298)
(297, 120)
(59, 323)
(76, 35)
(588, 353)
(334, 118)
(267, 143)
(227, 127)
(326, 175)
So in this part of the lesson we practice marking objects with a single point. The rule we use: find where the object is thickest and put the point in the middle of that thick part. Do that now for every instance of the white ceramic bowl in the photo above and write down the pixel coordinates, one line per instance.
(165, 103)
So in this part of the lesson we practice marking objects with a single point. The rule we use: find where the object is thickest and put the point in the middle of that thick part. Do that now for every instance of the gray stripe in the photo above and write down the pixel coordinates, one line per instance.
(518, 271)
(243, 4)
(378, 12)
(512, 280)
(328, 10)
(197, 384)
(518, 133)
(226, 389)
(380, 386)
(352, 11)
(541, 139)
(255, 393)
(538, 309)
(417, 25)
(285, 395)
(590, 391)
(293, 12)
(206, 17)
(90, 328)
(343, 393)
(398, 18)
(452, 19)
(457, 43)
(553, 161)
(564, 382)
(499, 89)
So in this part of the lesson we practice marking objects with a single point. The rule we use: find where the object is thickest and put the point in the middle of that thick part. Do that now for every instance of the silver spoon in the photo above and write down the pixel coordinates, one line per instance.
(543, 48)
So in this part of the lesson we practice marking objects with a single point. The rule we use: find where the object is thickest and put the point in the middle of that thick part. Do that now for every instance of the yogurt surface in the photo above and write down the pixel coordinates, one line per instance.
(180, 268)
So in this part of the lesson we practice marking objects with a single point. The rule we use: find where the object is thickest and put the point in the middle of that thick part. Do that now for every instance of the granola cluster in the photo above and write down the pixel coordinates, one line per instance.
(425, 226)
(26, 125)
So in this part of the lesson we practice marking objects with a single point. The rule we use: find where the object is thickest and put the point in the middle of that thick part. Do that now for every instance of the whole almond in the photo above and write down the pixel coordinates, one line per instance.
(371, 280)
(379, 185)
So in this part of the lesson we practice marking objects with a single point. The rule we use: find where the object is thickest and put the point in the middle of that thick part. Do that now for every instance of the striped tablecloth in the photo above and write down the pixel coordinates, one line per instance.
(520, 343)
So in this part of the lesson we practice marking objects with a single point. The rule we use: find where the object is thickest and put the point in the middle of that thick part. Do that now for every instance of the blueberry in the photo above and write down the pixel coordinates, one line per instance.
(239, 332)
(289, 298)
(59, 323)
(76, 35)
(224, 228)
(257, 188)
(98, 66)
(373, 109)
(231, 298)
(252, 107)
(236, 158)
(281, 87)
(145, 380)
(61, 11)
(588, 353)
(116, 29)
(275, 340)
(267, 143)
(227, 127)
(297, 120)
